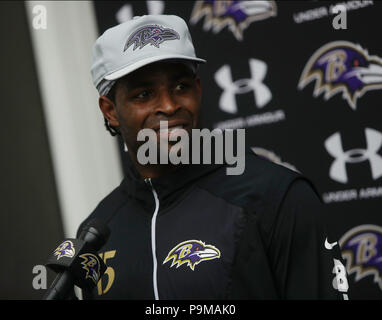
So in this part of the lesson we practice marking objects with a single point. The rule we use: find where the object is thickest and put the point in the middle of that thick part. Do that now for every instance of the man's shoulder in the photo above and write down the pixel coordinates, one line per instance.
(261, 177)
(107, 207)
(259, 191)
(262, 167)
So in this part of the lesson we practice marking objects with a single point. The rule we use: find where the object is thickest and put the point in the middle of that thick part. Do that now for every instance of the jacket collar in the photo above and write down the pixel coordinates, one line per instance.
(168, 187)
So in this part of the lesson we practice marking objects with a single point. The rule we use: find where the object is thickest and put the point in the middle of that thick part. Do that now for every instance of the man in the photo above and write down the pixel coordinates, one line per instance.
(192, 231)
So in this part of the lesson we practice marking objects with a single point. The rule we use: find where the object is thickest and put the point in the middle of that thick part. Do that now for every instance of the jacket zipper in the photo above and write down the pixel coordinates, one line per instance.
(153, 238)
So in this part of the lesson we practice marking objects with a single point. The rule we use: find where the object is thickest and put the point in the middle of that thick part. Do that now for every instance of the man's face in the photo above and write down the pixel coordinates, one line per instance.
(161, 91)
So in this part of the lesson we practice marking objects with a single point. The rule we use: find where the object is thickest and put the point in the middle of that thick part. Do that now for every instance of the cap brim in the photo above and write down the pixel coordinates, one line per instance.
(128, 69)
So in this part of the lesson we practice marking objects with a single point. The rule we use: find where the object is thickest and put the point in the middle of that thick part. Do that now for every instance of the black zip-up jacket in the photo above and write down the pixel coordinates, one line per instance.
(198, 233)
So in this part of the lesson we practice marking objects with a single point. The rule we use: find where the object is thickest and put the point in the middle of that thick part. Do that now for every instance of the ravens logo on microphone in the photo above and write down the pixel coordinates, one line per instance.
(65, 249)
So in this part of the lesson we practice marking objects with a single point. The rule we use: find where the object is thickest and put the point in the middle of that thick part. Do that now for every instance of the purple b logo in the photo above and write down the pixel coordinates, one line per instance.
(342, 67)
(361, 248)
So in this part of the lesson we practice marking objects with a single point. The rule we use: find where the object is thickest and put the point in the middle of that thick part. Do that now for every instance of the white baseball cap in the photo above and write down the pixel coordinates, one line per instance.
(131, 45)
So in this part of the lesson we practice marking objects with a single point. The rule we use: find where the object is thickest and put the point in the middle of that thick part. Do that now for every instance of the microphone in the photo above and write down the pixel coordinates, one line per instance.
(76, 261)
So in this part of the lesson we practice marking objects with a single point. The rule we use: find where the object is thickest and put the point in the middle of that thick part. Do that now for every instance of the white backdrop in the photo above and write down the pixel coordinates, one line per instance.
(85, 157)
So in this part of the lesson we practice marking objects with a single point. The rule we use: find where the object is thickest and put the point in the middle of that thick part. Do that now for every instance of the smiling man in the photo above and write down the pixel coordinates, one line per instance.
(192, 231)
(166, 91)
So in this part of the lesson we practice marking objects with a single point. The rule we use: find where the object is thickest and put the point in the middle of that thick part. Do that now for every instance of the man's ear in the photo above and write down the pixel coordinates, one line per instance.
(109, 110)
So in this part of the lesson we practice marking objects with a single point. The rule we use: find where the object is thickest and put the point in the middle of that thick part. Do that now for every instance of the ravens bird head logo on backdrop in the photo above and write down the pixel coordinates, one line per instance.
(342, 66)
(361, 247)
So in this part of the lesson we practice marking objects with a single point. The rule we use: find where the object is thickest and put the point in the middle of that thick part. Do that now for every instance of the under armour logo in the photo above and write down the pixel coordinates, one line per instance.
(223, 78)
(338, 171)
